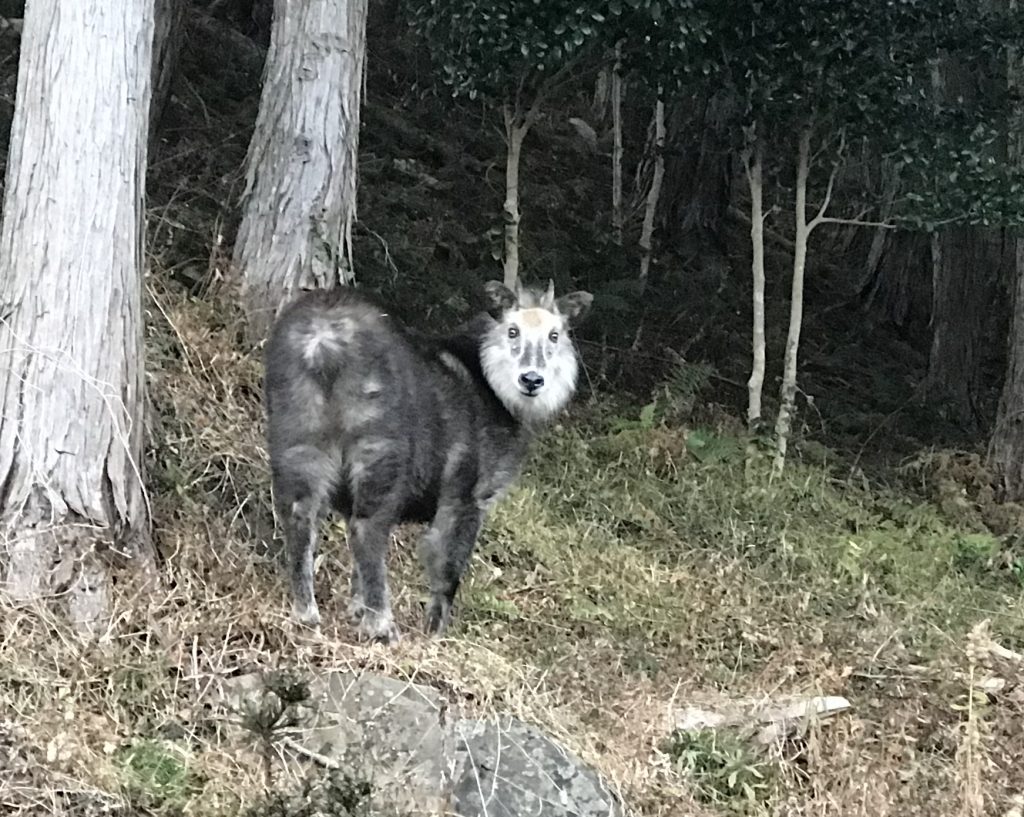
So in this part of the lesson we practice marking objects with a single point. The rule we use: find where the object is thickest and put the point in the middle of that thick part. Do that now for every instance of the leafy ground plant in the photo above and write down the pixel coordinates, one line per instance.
(724, 769)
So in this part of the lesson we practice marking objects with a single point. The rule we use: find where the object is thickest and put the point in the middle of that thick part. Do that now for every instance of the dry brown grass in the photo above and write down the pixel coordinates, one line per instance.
(592, 624)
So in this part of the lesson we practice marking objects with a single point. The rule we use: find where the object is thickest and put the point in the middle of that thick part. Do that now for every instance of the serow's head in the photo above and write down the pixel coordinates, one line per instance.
(528, 355)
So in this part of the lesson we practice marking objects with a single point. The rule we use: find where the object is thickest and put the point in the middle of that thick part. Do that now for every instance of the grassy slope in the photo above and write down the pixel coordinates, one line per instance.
(631, 571)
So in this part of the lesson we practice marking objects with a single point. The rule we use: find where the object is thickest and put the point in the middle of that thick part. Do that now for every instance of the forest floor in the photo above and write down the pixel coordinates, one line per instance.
(638, 566)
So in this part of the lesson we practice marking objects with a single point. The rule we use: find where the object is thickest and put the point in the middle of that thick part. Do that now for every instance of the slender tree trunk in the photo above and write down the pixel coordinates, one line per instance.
(602, 92)
(1006, 447)
(515, 132)
(296, 228)
(617, 217)
(517, 125)
(71, 256)
(787, 402)
(169, 30)
(755, 385)
(651, 208)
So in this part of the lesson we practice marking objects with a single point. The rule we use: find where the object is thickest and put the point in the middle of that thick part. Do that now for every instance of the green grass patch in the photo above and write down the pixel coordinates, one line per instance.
(676, 539)
(724, 769)
(156, 776)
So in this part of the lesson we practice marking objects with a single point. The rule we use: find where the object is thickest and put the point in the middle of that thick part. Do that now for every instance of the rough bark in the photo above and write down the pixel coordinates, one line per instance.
(300, 198)
(787, 401)
(169, 28)
(898, 290)
(880, 239)
(1006, 446)
(71, 256)
(697, 192)
(961, 285)
(617, 217)
(654, 194)
(963, 275)
(755, 385)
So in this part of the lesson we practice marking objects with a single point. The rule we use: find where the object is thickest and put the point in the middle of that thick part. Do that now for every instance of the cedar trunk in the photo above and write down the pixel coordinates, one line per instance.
(1006, 448)
(300, 198)
(961, 286)
(169, 23)
(71, 256)
(698, 166)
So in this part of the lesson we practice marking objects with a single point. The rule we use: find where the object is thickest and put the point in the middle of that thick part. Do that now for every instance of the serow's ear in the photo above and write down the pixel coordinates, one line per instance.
(498, 299)
(548, 301)
(574, 306)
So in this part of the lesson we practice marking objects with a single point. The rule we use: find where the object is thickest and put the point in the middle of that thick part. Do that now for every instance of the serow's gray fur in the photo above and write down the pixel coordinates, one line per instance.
(384, 425)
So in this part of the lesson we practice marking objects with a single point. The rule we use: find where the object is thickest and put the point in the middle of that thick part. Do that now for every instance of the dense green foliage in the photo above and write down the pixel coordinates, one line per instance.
(499, 48)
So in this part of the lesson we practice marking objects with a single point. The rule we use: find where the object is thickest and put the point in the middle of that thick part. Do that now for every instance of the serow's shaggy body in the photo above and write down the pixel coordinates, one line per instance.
(385, 425)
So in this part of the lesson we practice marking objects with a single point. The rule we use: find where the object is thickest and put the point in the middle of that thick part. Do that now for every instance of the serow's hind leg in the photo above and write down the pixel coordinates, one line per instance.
(368, 538)
(445, 549)
(302, 530)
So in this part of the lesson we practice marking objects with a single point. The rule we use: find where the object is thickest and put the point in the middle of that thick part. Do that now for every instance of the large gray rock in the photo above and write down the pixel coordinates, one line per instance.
(421, 757)
(510, 769)
(391, 732)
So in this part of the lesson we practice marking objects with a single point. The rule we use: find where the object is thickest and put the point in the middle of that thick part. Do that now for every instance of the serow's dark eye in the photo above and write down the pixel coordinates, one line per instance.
(513, 331)
(553, 337)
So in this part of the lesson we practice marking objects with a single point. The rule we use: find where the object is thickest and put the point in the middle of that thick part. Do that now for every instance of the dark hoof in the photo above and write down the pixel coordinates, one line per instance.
(439, 615)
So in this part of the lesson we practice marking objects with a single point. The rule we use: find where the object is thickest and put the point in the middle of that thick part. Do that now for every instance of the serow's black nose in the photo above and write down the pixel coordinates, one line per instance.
(531, 381)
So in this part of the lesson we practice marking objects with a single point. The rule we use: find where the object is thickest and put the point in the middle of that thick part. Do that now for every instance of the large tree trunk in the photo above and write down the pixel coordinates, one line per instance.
(1006, 448)
(296, 228)
(71, 255)
(963, 273)
(961, 289)
(169, 22)
(697, 190)
(897, 290)
(890, 183)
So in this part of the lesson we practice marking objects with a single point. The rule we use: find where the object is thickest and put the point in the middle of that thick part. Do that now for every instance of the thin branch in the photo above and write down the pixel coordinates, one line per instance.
(854, 222)
(316, 757)
(820, 217)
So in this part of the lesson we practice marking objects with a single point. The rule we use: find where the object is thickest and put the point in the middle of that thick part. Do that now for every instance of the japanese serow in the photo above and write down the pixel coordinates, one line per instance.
(385, 425)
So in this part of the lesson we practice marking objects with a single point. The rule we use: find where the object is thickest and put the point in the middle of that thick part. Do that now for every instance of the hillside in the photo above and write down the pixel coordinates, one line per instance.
(637, 568)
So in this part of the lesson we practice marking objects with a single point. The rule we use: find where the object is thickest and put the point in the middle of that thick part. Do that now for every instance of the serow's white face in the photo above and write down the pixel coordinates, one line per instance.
(528, 356)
